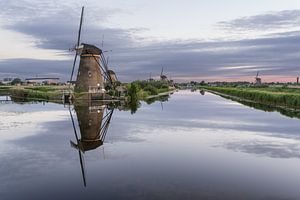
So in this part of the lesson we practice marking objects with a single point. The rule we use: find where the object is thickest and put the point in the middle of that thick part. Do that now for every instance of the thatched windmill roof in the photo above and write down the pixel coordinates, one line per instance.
(90, 49)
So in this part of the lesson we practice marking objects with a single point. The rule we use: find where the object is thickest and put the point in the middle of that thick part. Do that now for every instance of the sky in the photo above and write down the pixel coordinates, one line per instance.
(192, 40)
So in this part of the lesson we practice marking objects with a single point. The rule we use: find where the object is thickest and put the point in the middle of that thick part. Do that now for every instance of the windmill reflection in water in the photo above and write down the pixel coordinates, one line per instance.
(93, 121)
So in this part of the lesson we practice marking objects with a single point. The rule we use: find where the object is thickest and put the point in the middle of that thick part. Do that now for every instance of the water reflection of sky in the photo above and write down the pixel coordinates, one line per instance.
(196, 147)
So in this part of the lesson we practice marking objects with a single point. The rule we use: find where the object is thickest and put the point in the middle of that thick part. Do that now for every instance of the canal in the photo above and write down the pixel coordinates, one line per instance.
(191, 146)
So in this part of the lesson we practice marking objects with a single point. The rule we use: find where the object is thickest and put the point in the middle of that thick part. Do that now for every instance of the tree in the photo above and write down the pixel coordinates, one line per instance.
(16, 81)
(132, 92)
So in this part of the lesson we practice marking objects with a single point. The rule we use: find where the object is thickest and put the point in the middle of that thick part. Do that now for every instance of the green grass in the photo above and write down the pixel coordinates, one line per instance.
(285, 97)
(42, 88)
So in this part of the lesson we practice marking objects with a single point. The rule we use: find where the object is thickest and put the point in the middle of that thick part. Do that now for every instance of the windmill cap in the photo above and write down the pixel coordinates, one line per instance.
(111, 72)
(91, 49)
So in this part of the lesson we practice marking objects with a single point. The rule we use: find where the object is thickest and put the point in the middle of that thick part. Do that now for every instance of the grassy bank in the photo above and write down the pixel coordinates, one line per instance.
(43, 93)
(137, 90)
(279, 97)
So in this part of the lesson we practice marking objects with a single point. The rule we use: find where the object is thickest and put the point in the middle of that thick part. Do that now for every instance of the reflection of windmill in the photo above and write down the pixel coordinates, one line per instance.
(93, 123)
(257, 79)
(93, 74)
(162, 76)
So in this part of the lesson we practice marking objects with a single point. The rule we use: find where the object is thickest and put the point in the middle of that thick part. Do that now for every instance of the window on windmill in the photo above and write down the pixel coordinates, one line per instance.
(90, 74)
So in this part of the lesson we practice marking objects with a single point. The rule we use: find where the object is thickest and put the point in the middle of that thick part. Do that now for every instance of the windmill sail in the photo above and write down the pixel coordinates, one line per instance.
(78, 43)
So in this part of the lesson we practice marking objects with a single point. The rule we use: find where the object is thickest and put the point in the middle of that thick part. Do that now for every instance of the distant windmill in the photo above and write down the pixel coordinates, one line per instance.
(162, 76)
(93, 72)
(257, 79)
(150, 77)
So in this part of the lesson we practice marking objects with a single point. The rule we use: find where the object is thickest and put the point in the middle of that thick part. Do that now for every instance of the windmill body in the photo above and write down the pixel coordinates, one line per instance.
(257, 79)
(90, 77)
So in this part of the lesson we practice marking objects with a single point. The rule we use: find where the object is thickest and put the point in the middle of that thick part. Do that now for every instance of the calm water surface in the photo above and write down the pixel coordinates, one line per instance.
(190, 147)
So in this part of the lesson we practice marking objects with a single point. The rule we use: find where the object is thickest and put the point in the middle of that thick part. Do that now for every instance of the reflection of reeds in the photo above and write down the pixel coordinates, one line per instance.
(267, 108)
(283, 97)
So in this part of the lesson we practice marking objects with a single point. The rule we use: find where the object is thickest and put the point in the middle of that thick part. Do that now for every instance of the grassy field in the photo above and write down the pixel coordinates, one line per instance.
(283, 97)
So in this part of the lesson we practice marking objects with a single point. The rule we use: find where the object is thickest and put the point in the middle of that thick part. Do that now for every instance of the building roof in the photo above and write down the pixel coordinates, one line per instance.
(163, 77)
(41, 78)
(90, 49)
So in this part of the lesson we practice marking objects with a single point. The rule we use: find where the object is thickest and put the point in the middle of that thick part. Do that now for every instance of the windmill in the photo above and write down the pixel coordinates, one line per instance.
(93, 75)
(162, 76)
(93, 124)
(257, 79)
(150, 77)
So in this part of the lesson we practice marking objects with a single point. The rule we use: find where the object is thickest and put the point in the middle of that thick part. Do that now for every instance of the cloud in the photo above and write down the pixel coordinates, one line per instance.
(272, 56)
(26, 68)
(55, 27)
(267, 148)
(272, 20)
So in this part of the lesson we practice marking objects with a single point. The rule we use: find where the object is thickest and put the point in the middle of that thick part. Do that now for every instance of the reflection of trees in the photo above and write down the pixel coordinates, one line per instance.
(159, 98)
(134, 105)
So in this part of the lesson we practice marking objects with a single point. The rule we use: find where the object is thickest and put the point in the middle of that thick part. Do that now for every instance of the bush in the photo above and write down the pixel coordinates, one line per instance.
(151, 89)
(16, 81)
(133, 92)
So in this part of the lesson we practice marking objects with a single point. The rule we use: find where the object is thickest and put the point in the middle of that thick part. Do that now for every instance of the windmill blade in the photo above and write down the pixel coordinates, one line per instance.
(162, 71)
(78, 43)
(82, 166)
(102, 41)
(107, 60)
(74, 63)
(81, 159)
(106, 125)
(73, 123)
(101, 64)
(80, 25)
(104, 62)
